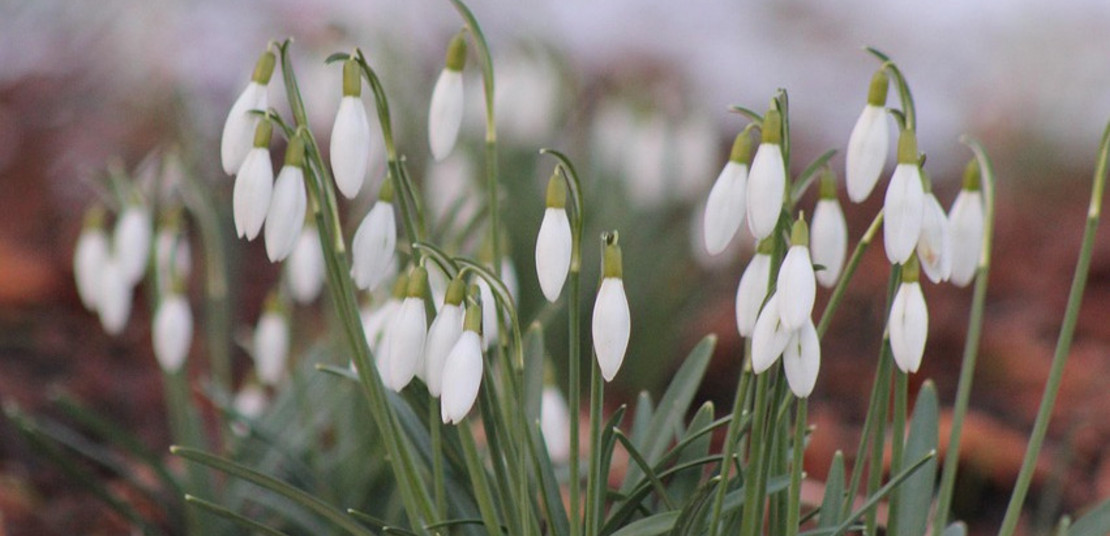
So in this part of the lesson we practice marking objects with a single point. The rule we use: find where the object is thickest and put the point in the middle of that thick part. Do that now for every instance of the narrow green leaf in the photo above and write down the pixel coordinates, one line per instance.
(1096, 522)
(672, 408)
(834, 493)
(805, 180)
(533, 370)
(650, 526)
(378, 524)
(337, 56)
(227, 513)
(549, 485)
(690, 520)
(960, 529)
(299, 496)
(876, 497)
(916, 494)
(641, 419)
(642, 463)
(697, 446)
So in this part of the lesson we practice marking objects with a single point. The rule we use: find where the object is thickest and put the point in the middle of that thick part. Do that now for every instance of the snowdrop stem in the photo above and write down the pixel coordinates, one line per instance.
(753, 496)
(186, 428)
(595, 481)
(480, 481)
(903, 88)
(846, 276)
(971, 344)
(1063, 344)
(435, 429)
(739, 407)
(878, 438)
(897, 443)
(794, 509)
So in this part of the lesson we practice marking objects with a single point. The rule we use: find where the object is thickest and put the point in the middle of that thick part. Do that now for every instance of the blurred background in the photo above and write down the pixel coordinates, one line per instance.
(636, 93)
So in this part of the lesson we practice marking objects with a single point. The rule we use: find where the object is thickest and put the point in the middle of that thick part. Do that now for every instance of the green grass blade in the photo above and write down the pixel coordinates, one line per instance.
(229, 514)
(916, 494)
(650, 526)
(642, 463)
(641, 418)
(696, 445)
(834, 493)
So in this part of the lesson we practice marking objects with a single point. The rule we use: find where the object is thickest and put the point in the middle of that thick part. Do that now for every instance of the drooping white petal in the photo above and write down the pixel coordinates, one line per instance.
(89, 257)
(375, 322)
(490, 325)
(442, 336)
(612, 324)
(934, 247)
(751, 291)
(909, 326)
(285, 217)
(966, 221)
(172, 330)
(553, 249)
(867, 152)
(407, 332)
(555, 424)
(797, 288)
(271, 347)
(239, 127)
(350, 146)
(132, 238)
(172, 255)
(769, 338)
(724, 210)
(828, 240)
(114, 297)
(508, 277)
(766, 185)
(445, 113)
(801, 360)
(902, 213)
(306, 267)
(373, 245)
(254, 185)
(462, 376)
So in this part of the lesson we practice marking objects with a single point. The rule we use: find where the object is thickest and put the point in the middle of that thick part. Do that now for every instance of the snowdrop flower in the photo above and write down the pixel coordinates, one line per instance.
(554, 242)
(828, 244)
(89, 257)
(489, 314)
(753, 288)
(350, 136)
(442, 336)
(374, 242)
(767, 179)
(254, 185)
(131, 240)
(770, 336)
(240, 124)
(285, 218)
(966, 221)
(934, 247)
(909, 320)
(306, 265)
(728, 198)
(801, 360)
(172, 330)
(869, 142)
(114, 297)
(172, 256)
(462, 371)
(555, 424)
(796, 283)
(375, 321)
(904, 203)
(271, 342)
(446, 110)
(611, 320)
(407, 333)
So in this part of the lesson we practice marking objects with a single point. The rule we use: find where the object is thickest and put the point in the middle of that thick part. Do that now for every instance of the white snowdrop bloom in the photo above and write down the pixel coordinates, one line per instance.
(554, 242)
(909, 322)
(350, 135)
(767, 179)
(442, 336)
(828, 240)
(904, 203)
(375, 320)
(489, 315)
(753, 289)
(250, 401)
(89, 256)
(437, 285)
(407, 333)
(173, 258)
(462, 371)
(612, 321)
(254, 185)
(172, 330)
(306, 266)
(288, 205)
(114, 296)
(132, 240)
(508, 273)
(770, 336)
(801, 360)
(796, 285)
(555, 424)
(934, 247)
(966, 219)
(869, 142)
(446, 110)
(271, 343)
(240, 124)
(374, 243)
(724, 210)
